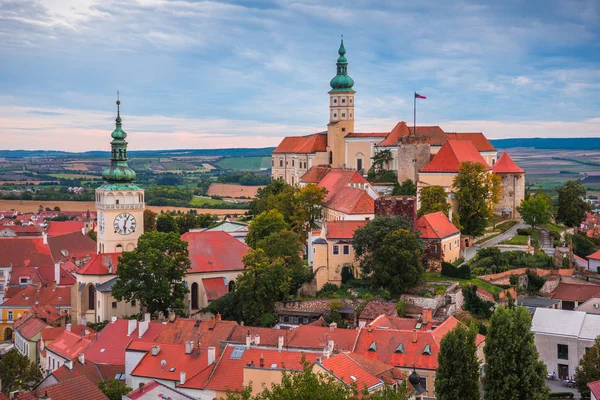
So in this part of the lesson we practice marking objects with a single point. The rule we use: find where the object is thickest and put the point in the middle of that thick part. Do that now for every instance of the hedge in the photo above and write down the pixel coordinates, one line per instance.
(451, 271)
(561, 395)
(524, 231)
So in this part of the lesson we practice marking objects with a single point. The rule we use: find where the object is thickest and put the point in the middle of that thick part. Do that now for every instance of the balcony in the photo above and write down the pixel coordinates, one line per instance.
(138, 206)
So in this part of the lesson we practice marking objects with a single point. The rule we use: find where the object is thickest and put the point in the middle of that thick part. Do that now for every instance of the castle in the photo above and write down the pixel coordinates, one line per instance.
(426, 155)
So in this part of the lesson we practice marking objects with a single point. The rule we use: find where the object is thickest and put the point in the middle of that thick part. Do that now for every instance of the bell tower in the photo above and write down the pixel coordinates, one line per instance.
(341, 111)
(119, 202)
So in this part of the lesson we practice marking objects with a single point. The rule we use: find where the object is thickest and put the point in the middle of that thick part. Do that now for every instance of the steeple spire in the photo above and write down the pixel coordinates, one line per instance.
(118, 110)
(119, 171)
(342, 82)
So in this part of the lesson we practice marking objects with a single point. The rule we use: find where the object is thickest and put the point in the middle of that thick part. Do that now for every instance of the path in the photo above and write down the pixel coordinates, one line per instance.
(470, 251)
(546, 242)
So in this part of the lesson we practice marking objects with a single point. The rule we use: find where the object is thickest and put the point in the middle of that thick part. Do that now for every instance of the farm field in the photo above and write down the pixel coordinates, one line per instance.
(31, 206)
(244, 163)
(232, 190)
(75, 176)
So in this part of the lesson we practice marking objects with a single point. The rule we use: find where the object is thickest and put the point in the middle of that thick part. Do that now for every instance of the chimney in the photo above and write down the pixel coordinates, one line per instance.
(110, 268)
(69, 364)
(45, 396)
(427, 315)
(83, 230)
(147, 317)
(248, 340)
(218, 317)
(57, 273)
(326, 353)
(142, 328)
(182, 378)
(256, 339)
(262, 361)
(189, 346)
(155, 350)
(280, 343)
(68, 327)
(81, 358)
(54, 286)
(131, 325)
(44, 238)
(330, 345)
(414, 336)
(332, 326)
(113, 319)
(84, 321)
(211, 355)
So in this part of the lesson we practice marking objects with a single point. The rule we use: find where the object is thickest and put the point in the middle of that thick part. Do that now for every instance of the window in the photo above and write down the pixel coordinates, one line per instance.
(1, 273)
(117, 201)
(286, 319)
(563, 351)
(450, 245)
(334, 115)
(444, 247)
(587, 350)
(23, 280)
(343, 101)
(10, 315)
(350, 103)
(335, 250)
(346, 249)
(359, 164)
(423, 382)
(133, 303)
(1, 287)
(314, 250)
(334, 101)
(343, 129)
(114, 304)
(272, 163)
(343, 115)
(293, 161)
(281, 163)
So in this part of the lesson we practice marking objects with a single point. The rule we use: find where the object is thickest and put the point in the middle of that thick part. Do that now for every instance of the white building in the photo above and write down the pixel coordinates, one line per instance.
(562, 337)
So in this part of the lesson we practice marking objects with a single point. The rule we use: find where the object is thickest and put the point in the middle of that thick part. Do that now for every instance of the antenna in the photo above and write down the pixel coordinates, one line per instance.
(162, 364)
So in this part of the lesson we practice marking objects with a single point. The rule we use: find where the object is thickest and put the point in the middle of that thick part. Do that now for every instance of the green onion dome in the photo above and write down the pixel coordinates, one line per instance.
(342, 82)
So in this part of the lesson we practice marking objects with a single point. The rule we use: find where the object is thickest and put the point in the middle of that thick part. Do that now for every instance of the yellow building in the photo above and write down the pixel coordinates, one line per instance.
(437, 228)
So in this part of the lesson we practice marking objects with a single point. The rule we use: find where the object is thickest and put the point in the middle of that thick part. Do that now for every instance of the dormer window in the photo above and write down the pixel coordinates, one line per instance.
(427, 350)
(373, 347)
(399, 349)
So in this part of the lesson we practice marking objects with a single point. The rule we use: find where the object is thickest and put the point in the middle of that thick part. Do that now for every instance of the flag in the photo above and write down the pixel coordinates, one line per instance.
(418, 96)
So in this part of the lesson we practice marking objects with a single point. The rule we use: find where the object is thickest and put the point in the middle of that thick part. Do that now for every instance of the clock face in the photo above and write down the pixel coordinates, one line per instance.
(124, 224)
(101, 223)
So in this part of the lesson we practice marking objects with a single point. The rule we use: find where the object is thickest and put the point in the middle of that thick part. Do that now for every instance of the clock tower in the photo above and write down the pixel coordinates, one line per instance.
(119, 202)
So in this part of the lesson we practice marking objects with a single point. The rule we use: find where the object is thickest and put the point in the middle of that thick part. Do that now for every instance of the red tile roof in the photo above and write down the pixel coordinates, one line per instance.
(73, 389)
(449, 324)
(229, 374)
(75, 245)
(303, 144)
(267, 336)
(46, 313)
(402, 324)
(154, 390)
(346, 368)
(24, 252)
(436, 226)
(50, 334)
(24, 230)
(89, 370)
(30, 327)
(28, 296)
(177, 361)
(214, 288)
(377, 308)
(575, 292)
(35, 274)
(340, 195)
(315, 174)
(505, 165)
(99, 263)
(209, 333)
(595, 388)
(478, 139)
(56, 228)
(368, 134)
(349, 200)
(452, 154)
(386, 372)
(69, 344)
(342, 229)
(316, 337)
(431, 134)
(214, 251)
(594, 256)
(110, 344)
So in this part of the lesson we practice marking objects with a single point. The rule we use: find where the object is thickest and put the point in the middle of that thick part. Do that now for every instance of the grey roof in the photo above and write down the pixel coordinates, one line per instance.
(106, 286)
(319, 240)
(544, 302)
(566, 323)
(592, 306)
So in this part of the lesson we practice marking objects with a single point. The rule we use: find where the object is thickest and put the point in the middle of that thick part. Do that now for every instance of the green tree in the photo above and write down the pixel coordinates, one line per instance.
(397, 262)
(571, 204)
(407, 188)
(401, 308)
(588, 370)
(154, 273)
(369, 238)
(476, 190)
(260, 203)
(433, 199)
(149, 220)
(56, 208)
(536, 210)
(457, 376)
(513, 369)
(582, 245)
(193, 220)
(166, 223)
(92, 235)
(263, 225)
(113, 389)
(309, 201)
(17, 372)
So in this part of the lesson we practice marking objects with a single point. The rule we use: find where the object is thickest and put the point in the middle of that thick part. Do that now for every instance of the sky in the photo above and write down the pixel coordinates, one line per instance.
(208, 74)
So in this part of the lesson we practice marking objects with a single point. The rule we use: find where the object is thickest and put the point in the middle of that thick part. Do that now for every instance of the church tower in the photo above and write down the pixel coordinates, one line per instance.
(119, 202)
(341, 111)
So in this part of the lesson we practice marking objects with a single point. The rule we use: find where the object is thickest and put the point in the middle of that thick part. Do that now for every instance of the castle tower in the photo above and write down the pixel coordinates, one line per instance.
(341, 111)
(119, 202)
(513, 186)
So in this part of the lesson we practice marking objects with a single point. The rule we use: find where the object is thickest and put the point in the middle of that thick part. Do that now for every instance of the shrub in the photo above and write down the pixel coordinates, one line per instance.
(400, 308)
(327, 290)
(561, 395)
(463, 272)
(535, 282)
(524, 231)
(514, 279)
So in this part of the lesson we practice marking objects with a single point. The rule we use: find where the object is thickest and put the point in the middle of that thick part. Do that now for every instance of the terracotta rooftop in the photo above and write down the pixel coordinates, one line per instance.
(24, 252)
(214, 287)
(367, 134)
(594, 256)
(267, 336)
(208, 332)
(452, 154)
(575, 292)
(401, 324)
(430, 134)
(377, 308)
(70, 344)
(56, 228)
(595, 388)
(351, 372)
(341, 229)
(303, 144)
(73, 389)
(99, 264)
(317, 337)
(505, 165)
(24, 230)
(311, 307)
(386, 372)
(52, 333)
(27, 297)
(436, 226)
(71, 246)
(30, 327)
(154, 390)
(478, 139)
(214, 251)
(94, 372)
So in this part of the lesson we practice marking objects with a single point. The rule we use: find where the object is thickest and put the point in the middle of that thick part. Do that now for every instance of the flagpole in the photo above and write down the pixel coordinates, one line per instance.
(415, 113)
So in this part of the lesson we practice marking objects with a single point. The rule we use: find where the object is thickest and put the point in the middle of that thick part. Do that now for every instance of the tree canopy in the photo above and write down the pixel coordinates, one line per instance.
(457, 376)
(433, 199)
(17, 372)
(476, 190)
(149, 220)
(571, 208)
(536, 209)
(166, 223)
(113, 389)
(154, 273)
(588, 370)
(513, 369)
(263, 225)
(406, 188)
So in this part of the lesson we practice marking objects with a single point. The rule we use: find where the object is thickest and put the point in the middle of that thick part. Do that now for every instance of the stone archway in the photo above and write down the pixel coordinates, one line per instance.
(8, 332)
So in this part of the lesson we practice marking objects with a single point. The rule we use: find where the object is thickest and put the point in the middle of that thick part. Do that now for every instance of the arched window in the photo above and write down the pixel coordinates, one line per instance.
(231, 286)
(119, 248)
(194, 296)
(91, 298)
